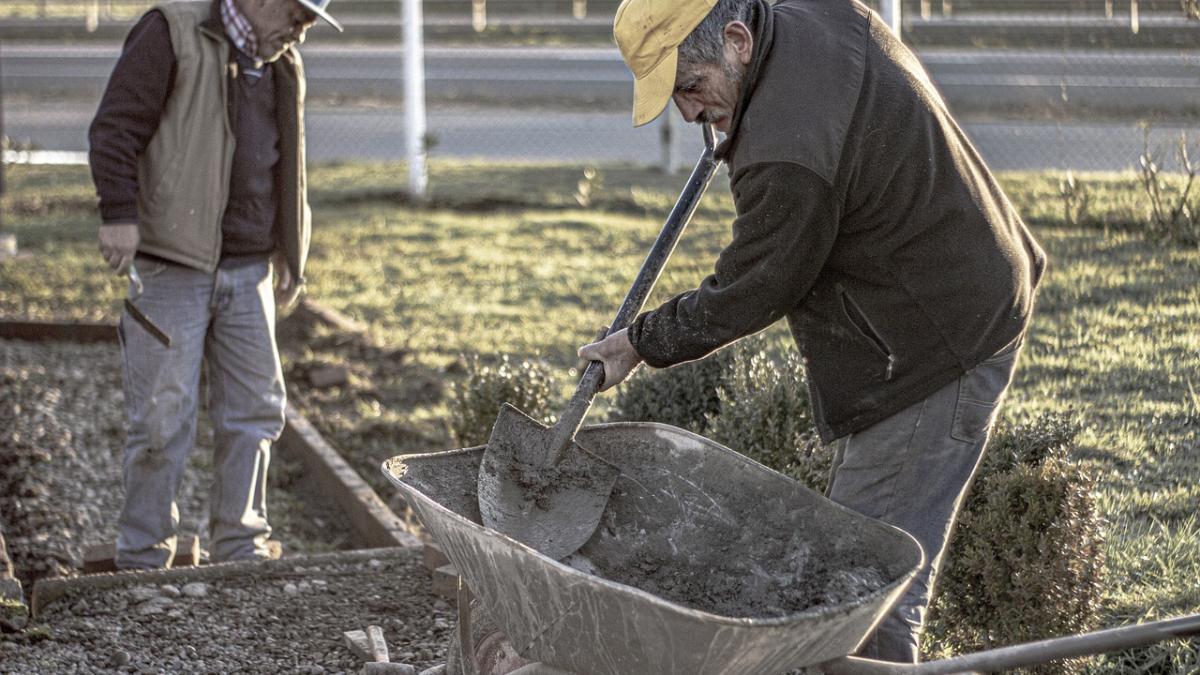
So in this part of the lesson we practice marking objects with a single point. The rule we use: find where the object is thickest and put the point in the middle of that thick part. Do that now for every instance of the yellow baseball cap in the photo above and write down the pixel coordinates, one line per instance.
(648, 33)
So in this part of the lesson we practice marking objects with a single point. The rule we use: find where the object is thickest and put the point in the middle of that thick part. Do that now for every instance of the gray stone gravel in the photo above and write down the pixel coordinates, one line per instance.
(61, 430)
(243, 622)
(61, 412)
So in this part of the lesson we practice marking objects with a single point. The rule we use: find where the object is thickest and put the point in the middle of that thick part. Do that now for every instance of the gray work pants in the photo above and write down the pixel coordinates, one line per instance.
(913, 471)
(226, 321)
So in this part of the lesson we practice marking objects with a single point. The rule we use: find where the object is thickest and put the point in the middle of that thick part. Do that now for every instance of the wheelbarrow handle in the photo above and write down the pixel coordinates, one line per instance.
(593, 376)
(1030, 653)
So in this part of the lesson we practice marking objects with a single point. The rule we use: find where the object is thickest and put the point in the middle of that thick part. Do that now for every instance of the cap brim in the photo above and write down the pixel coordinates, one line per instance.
(322, 13)
(652, 92)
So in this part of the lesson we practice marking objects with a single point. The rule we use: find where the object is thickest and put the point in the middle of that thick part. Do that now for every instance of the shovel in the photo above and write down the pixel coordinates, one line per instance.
(536, 484)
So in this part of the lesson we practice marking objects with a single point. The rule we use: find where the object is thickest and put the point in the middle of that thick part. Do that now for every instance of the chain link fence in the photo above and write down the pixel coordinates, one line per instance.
(1037, 84)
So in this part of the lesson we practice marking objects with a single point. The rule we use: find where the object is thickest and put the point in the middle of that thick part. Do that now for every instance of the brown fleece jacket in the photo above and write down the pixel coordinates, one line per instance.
(864, 216)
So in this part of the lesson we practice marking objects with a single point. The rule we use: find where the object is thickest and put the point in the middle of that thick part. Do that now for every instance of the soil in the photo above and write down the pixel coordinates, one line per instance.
(366, 418)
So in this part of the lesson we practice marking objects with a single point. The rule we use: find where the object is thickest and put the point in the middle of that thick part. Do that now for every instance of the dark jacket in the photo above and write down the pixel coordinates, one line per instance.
(163, 144)
(865, 217)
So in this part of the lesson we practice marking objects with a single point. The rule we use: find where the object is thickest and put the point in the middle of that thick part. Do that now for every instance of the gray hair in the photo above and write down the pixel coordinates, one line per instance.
(706, 43)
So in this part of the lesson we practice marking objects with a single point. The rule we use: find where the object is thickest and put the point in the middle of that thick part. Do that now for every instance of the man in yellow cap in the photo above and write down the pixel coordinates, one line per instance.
(867, 220)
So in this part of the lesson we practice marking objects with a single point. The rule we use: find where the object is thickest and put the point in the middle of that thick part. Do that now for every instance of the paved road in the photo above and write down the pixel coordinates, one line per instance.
(337, 133)
(1123, 80)
(571, 104)
(1110, 79)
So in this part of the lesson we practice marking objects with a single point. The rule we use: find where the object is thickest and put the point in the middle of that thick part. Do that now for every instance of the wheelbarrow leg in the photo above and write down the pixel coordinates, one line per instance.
(461, 657)
(480, 648)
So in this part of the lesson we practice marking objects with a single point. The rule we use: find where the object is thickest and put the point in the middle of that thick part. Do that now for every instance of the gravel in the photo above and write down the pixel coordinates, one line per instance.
(244, 621)
(62, 427)
(61, 430)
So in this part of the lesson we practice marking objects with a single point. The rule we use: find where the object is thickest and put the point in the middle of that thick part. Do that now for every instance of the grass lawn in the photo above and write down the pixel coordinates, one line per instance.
(505, 260)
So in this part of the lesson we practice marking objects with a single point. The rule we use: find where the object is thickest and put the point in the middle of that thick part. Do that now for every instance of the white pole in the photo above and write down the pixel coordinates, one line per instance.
(890, 11)
(414, 98)
(666, 138)
(479, 15)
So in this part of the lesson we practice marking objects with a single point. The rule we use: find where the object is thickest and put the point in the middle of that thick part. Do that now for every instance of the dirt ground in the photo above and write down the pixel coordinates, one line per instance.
(284, 616)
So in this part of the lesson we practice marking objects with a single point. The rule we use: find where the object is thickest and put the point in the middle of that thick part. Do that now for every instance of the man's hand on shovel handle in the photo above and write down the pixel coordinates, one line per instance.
(617, 354)
(118, 245)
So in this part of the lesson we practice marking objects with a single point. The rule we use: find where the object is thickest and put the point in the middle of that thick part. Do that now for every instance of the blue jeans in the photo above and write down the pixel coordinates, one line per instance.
(225, 322)
(913, 470)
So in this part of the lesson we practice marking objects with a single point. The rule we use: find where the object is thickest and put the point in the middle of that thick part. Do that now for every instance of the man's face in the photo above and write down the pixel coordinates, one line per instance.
(277, 24)
(707, 92)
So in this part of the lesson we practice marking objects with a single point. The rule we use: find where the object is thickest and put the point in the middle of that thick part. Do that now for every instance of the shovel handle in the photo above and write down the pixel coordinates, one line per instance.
(593, 376)
(1030, 653)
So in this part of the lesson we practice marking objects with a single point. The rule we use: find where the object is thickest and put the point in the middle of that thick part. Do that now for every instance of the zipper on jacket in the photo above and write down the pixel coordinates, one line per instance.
(864, 326)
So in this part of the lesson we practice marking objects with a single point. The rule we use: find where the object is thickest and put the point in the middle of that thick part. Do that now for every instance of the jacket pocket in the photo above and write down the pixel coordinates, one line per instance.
(862, 324)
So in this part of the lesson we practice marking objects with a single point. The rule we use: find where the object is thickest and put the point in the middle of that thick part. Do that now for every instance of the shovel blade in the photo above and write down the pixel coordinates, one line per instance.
(552, 509)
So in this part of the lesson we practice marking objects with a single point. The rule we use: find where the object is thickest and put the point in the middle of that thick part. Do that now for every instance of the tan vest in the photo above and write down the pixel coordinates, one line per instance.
(183, 176)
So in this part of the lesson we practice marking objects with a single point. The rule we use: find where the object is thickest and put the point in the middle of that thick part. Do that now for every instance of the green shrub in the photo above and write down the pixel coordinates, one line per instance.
(764, 414)
(1025, 562)
(683, 396)
(527, 385)
(741, 397)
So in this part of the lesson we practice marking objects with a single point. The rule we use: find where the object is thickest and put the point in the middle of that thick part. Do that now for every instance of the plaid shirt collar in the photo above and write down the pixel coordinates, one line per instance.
(240, 32)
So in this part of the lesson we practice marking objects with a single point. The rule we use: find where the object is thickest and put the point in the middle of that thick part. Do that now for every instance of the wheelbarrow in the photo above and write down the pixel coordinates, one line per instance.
(705, 563)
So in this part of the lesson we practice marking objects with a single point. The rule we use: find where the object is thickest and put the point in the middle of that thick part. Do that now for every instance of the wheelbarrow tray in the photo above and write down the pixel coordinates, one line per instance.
(679, 497)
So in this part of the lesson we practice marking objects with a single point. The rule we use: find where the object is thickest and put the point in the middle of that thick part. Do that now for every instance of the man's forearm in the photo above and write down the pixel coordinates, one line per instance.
(782, 237)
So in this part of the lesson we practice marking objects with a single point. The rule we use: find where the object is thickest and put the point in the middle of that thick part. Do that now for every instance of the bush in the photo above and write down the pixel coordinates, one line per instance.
(1174, 209)
(526, 385)
(740, 397)
(683, 396)
(764, 414)
(1026, 560)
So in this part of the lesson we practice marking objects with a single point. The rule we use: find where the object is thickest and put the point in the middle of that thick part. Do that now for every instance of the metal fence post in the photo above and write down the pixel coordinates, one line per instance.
(890, 11)
(479, 15)
(414, 98)
(666, 136)
(91, 20)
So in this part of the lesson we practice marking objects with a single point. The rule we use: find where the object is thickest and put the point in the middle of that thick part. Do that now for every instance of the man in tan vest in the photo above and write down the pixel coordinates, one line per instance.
(197, 153)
